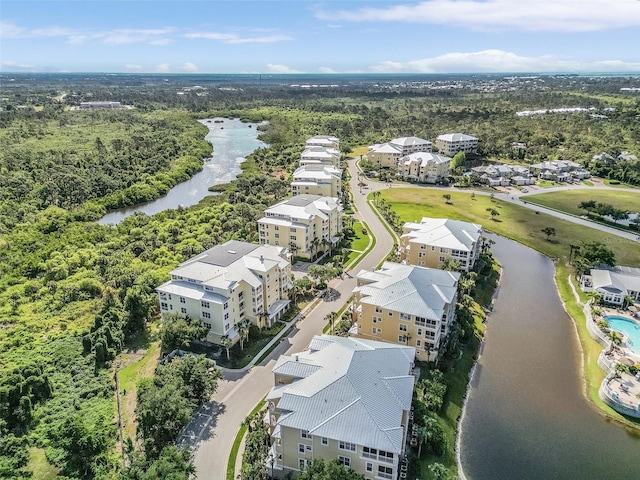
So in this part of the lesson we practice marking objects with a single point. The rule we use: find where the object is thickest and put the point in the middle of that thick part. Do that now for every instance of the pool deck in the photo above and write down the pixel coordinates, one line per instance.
(621, 391)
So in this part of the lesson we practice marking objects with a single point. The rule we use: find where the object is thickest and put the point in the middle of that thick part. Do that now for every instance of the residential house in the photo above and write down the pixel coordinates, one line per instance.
(306, 224)
(613, 283)
(603, 157)
(559, 170)
(424, 167)
(315, 155)
(317, 179)
(227, 284)
(406, 304)
(434, 240)
(92, 105)
(451, 143)
(502, 175)
(626, 157)
(325, 141)
(344, 399)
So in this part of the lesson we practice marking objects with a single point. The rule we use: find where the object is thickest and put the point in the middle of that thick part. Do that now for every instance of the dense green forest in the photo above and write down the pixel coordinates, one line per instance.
(74, 294)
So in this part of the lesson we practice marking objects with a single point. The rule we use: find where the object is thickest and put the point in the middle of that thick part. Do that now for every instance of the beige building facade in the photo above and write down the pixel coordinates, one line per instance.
(424, 167)
(227, 284)
(316, 155)
(343, 399)
(451, 143)
(387, 155)
(434, 240)
(406, 305)
(305, 224)
(323, 180)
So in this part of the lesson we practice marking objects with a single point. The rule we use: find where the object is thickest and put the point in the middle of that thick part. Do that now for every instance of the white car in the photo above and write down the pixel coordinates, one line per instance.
(524, 190)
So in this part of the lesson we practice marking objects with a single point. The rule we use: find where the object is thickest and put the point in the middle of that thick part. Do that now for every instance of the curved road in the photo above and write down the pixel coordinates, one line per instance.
(213, 431)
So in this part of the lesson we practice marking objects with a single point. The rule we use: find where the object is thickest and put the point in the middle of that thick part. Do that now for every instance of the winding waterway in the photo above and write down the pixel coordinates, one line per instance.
(232, 141)
(526, 416)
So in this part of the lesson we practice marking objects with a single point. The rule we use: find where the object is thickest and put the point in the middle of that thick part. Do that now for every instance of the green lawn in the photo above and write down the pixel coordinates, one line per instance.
(568, 200)
(40, 466)
(514, 221)
(360, 241)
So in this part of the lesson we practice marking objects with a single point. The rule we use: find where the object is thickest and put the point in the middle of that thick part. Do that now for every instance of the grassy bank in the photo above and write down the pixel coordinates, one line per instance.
(568, 200)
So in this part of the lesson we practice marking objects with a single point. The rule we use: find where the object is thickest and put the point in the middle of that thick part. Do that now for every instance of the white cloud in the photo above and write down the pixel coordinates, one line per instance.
(11, 65)
(162, 68)
(530, 15)
(234, 38)
(189, 67)
(489, 61)
(152, 36)
(326, 70)
(274, 68)
(9, 30)
(126, 36)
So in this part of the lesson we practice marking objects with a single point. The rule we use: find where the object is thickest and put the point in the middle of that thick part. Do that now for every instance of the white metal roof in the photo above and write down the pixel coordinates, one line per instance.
(409, 289)
(444, 233)
(456, 137)
(357, 394)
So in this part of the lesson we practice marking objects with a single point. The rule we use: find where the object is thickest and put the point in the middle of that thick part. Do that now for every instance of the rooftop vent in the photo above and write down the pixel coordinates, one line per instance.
(232, 252)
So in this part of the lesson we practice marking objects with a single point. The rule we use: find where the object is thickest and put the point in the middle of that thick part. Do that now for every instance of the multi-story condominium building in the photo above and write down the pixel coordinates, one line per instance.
(323, 180)
(306, 224)
(387, 155)
(452, 143)
(433, 240)
(424, 167)
(315, 155)
(90, 105)
(326, 141)
(344, 399)
(230, 283)
(405, 304)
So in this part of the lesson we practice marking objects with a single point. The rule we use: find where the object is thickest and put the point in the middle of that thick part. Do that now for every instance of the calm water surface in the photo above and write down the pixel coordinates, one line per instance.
(232, 141)
(526, 417)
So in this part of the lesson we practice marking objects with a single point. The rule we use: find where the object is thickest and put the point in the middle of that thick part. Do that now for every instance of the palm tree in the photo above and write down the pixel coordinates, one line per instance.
(425, 432)
(329, 318)
(226, 343)
(244, 328)
(315, 243)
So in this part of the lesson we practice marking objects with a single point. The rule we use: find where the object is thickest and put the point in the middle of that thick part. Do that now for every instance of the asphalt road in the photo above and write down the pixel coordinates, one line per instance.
(213, 431)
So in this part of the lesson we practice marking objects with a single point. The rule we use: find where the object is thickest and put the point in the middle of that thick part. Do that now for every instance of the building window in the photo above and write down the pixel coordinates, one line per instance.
(183, 310)
(301, 448)
(226, 316)
(405, 316)
(418, 343)
(183, 300)
(347, 446)
(433, 248)
(226, 305)
(164, 306)
(204, 304)
(325, 441)
(423, 246)
(346, 461)
(208, 325)
(441, 259)
(302, 463)
(305, 434)
(378, 309)
(419, 332)
(375, 330)
(385, 472)
(402, 327)
(369, 467)
(391, 314)
(226, 327)
(206, 315)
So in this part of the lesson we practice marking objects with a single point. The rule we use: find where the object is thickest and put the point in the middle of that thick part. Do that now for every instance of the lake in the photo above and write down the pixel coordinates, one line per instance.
(526, 416)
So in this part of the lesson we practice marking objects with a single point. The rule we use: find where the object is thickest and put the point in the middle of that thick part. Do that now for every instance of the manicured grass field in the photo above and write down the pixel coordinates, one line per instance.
(515, 222)
(568, 201)
(360, 241)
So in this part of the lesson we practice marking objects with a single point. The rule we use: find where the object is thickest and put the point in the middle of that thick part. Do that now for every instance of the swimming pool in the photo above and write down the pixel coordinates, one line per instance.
(631, 328)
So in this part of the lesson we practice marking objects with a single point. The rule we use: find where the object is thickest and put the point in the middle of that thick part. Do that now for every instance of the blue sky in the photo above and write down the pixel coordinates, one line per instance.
(290, 36)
